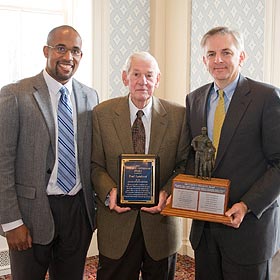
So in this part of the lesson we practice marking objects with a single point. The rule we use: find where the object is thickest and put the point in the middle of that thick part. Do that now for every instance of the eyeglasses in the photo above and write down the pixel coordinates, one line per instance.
(63, 50)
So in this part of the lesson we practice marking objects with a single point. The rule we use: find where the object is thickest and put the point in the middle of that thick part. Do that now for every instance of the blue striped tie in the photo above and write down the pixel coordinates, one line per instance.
(66, 174)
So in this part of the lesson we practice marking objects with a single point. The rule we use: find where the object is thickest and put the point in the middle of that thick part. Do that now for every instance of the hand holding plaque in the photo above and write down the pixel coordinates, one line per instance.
(138, 184)
(200, 197)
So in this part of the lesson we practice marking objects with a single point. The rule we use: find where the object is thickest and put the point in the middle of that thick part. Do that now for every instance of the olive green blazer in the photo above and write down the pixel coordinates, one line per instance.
(112, 137)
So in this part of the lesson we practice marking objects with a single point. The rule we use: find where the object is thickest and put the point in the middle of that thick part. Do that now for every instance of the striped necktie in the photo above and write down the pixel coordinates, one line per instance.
(138, 134)
(218, 119)
(66, 174)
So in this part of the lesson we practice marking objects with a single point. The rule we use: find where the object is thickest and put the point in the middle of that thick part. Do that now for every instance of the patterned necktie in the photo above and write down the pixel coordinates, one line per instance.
(219, 119)
(138, 134)
(66, 174)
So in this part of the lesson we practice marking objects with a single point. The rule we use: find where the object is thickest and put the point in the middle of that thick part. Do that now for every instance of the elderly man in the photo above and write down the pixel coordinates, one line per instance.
(134, 240)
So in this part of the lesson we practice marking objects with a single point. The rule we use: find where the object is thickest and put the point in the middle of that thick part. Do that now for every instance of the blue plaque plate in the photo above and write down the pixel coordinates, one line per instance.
(139, 176)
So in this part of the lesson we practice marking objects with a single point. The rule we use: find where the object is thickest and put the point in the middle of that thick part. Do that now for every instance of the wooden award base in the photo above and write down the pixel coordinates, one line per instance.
(189, 190)
(169, 211)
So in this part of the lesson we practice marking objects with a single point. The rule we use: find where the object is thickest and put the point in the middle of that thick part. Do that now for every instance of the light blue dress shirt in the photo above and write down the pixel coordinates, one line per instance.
(213, 101)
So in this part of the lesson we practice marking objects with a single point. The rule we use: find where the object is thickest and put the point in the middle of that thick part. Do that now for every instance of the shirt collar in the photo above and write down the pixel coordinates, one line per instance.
(54, 86)
(229, 90)
(133, 109)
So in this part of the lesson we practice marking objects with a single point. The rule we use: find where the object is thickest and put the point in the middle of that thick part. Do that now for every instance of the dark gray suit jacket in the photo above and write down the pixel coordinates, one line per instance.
(248, 155)
(27, 153)
(112, 137)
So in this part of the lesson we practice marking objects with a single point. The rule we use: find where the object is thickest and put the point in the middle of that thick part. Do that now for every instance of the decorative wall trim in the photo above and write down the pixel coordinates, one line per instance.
(101, 15)
(272, 42)
(170, 44)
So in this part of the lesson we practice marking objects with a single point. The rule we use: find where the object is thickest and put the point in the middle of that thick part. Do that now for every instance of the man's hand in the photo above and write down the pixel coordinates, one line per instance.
(161, 204)
(113, 203)
(237, 212)
(19, 238)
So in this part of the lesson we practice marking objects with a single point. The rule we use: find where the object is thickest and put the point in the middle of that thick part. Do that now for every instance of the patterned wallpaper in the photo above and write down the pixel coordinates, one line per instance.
(245, 15)
(129, 32)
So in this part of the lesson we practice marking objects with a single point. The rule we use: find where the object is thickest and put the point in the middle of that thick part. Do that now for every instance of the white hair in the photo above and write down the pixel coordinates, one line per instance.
(144, 56)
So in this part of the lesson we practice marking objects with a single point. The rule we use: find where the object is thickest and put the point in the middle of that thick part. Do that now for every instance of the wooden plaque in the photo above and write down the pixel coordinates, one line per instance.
(199, 199)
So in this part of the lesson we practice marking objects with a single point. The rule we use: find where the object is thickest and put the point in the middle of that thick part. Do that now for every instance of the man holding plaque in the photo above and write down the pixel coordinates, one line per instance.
(130, 238)
(247, 153)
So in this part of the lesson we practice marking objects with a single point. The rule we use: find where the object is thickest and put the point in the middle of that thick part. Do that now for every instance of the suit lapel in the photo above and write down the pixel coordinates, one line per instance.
(200, 107)
(42, 97)
(158, 126)
(81, 107)
(122, 124)
(238, 106)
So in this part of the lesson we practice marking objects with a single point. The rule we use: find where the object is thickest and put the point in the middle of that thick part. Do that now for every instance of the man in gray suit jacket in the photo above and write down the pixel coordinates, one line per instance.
(130, 240)
(46, 227)
(248, 155)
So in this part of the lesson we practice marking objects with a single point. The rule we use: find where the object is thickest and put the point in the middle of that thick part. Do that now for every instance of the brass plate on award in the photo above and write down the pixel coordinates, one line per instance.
(199, 199)
(139, 185)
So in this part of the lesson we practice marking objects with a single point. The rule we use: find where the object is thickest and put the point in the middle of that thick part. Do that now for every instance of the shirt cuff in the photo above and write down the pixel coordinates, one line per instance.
(9, 226)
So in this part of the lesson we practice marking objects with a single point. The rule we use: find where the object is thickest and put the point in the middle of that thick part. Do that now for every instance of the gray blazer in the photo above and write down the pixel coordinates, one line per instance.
(248, 155)
(27, 153)
(112, 137)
